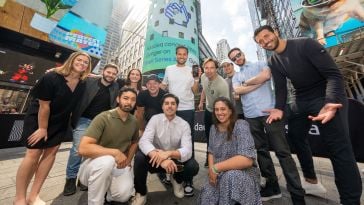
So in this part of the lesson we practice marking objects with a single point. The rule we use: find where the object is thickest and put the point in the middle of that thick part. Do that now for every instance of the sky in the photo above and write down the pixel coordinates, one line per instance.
(228, 19)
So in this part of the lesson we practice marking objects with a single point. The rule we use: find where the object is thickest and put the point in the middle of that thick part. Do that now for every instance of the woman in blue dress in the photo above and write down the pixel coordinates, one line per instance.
(55, 95)
(233, 177)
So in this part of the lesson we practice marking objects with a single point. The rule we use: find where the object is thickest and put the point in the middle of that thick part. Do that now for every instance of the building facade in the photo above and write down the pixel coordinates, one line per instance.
(132, 51)
(222, 50)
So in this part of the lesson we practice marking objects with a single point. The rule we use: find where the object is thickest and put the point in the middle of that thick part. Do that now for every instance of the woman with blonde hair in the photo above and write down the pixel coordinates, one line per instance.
(55, 95)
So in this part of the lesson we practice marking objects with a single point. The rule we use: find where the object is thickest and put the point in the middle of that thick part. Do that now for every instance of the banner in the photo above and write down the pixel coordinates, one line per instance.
(330, 22)
(81, 29)
(170, 24)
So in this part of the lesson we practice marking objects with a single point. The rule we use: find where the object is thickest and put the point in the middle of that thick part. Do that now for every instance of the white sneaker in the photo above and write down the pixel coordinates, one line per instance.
(38, 201)
(138, 199)
(177, 188)
(313, 188)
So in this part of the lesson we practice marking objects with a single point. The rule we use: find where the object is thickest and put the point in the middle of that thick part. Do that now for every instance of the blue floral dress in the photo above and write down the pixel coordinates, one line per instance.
(233, 186)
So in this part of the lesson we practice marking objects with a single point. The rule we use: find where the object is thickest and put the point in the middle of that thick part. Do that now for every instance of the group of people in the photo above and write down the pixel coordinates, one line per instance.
(122, 130)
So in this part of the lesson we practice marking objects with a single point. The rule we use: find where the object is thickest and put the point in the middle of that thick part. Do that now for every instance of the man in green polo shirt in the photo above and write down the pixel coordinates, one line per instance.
(109, 145)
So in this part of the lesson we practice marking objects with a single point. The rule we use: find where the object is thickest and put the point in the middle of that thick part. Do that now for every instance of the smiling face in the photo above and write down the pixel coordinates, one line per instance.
(222, 112)
(169, 107)
(80, 63)
(267, 40)
(228, 68)
(210, 70)
(109, 74)
(153, 87)
(134, 76)
(237, 57)
(181, 56)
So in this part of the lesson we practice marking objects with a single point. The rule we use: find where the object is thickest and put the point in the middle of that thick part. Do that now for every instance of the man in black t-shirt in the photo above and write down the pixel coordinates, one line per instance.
(149, 101)
(100, 95)
(318, 96)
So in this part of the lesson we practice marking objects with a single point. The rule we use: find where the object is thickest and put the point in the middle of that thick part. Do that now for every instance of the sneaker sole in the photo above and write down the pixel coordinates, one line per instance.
(69, 194)
(271, 197)
(189, 194)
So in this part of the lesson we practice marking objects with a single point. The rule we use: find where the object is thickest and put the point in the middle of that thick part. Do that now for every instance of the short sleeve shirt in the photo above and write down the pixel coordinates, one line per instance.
(214, 89)
(152, 105)
(180, 82)
(112, 132)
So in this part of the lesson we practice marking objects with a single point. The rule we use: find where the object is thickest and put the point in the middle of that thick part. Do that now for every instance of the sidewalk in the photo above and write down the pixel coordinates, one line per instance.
(158, 193)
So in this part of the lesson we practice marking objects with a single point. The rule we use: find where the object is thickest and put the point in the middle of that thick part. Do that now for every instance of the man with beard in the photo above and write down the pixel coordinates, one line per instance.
(256, 99)
(109, 145)
(100, 95)
(181, 83)
(319, 96)
(164, 147)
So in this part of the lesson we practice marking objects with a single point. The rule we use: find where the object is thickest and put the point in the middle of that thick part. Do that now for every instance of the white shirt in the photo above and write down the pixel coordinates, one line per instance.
(166, 135)
(180, 82)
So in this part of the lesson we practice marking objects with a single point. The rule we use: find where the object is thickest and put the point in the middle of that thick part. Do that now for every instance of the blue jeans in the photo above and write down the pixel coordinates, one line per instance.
(74, 160)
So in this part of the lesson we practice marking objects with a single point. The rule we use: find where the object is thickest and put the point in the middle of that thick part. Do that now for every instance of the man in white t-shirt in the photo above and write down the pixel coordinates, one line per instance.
(181, 83)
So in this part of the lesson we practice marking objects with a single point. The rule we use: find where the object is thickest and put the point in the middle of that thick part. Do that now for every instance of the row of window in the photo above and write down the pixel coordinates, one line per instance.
(180, 35)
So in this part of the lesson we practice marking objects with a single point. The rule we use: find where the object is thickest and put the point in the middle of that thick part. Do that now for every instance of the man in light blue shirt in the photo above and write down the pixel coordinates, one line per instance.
(253, 83)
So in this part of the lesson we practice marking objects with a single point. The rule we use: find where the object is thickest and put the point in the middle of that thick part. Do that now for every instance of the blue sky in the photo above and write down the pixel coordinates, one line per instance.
(229, 19)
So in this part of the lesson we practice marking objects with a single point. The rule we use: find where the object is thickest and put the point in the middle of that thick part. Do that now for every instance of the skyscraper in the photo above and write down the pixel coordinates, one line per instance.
(222, 50)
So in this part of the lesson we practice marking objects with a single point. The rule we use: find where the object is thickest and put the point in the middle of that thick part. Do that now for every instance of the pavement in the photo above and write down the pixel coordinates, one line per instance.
(157, 192)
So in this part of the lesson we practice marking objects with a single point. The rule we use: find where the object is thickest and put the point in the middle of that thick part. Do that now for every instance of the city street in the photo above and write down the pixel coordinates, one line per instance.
(158, 194)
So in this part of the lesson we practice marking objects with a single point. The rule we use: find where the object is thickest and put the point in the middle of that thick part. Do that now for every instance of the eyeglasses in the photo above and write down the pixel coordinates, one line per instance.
(238, 55)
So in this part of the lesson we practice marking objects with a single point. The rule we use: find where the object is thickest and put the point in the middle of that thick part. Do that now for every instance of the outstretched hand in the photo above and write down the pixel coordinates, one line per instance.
(326, 113)
(274, 115)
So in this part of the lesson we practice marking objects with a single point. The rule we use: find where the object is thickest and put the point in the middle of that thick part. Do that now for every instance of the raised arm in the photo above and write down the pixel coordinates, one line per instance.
(263, 76)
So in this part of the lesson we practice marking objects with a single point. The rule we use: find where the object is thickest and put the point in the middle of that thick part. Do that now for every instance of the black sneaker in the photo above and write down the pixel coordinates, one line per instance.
(164, 178)
(69, 187)
(270, 192)
(82, 187)
(189, 190)
(298, 200)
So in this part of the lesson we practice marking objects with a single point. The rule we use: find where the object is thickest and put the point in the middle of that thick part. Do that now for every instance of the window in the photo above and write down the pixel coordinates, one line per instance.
(192, 8)
(156, 23)
(161, 10)
(195, 31)
(171, 21)
(151, 37)
(165, 33)
(181, 35)
(193, 40)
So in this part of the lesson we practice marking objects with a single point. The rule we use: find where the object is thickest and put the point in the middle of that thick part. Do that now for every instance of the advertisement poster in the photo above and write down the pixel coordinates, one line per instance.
(169, 25)
(331, 22)
(81, 29)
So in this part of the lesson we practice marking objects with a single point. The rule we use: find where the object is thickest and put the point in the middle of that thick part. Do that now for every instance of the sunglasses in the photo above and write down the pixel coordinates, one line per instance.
(238, 55)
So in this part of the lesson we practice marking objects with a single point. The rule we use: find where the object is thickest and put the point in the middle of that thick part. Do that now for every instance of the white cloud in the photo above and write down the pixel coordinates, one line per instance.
(228, 19)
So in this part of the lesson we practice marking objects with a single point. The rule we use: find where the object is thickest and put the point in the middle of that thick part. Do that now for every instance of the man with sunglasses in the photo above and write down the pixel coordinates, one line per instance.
(253, 83)
(319, 97)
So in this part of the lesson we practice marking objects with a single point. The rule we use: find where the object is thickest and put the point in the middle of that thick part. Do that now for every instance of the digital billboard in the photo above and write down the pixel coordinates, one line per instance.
(331, 22)
(170, 24)
(81, 29)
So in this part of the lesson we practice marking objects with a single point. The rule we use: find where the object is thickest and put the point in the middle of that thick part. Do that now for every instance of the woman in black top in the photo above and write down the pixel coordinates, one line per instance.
(55, 96)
